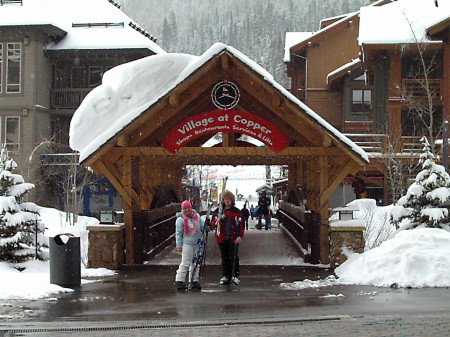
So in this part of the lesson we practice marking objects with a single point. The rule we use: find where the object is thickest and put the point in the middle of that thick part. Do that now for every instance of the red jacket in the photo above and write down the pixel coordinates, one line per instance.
(236, 220)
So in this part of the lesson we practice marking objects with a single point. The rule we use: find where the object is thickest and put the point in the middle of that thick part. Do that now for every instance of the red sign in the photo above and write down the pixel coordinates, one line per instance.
(233, 121)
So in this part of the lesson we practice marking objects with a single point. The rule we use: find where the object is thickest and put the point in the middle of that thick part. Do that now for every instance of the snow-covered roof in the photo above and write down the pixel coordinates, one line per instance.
(292, 39)
(401, 21)
(348, 66)
(63, 14)
(130, 89)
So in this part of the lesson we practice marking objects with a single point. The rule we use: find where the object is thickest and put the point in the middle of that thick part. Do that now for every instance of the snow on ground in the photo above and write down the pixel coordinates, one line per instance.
(415, 258)
(34, 281)
(412, 258)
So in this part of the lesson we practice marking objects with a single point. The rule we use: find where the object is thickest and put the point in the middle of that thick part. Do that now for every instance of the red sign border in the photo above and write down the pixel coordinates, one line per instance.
(234, 121)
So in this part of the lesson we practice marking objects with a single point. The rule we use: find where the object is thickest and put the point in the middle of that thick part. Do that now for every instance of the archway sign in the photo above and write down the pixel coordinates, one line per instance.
(232, 121)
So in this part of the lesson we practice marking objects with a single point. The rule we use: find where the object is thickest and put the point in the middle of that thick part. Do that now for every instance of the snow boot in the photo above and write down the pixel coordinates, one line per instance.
(195, 286)
(181, 286)
(224, 280)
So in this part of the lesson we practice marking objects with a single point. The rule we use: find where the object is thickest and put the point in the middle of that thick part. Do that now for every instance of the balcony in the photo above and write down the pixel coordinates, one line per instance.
(378, 144)
(67, 98)
(415, 90)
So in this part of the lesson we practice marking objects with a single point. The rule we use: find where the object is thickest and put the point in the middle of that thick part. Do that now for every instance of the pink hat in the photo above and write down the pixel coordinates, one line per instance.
(186, 204)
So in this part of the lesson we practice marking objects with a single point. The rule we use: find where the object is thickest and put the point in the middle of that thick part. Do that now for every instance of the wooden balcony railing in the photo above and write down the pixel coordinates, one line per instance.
(378, 143)
(417, 88)
(67, 98)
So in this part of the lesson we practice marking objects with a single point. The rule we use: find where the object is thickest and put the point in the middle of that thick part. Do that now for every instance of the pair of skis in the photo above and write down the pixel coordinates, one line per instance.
(220, 213)
(199, 258)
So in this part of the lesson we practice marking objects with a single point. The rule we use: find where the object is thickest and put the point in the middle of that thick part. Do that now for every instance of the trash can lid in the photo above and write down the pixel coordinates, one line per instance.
(63, 238)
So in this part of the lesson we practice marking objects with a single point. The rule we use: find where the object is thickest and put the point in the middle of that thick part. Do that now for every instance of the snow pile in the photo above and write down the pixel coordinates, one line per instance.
(65, 13)
(307, 284)
(403, 21)
(34, 281)
(412, 258)
(128, 90)
(376, 220)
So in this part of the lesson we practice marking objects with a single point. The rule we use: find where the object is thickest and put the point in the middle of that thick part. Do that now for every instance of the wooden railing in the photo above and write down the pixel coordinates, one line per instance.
(304, 227)
(417, 88)
(378, 143)
(159, 229)
(67, 98)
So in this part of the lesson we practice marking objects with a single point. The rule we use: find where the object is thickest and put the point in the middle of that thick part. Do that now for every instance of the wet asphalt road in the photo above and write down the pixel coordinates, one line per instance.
(143, 302)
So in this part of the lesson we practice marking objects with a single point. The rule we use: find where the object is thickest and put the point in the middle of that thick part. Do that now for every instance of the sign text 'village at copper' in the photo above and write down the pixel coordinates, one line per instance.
(232, 121)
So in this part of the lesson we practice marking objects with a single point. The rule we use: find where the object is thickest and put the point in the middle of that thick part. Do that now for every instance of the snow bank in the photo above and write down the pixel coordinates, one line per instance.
(414, 258)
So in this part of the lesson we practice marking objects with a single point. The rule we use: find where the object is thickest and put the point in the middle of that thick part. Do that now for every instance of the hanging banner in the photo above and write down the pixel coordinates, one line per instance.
(232, 121)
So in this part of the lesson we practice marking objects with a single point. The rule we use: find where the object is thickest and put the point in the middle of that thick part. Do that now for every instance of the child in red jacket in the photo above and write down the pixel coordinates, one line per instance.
(229, 229)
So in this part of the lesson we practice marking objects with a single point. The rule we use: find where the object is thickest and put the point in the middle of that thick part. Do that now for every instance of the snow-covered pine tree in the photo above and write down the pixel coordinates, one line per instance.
(426, 203)
(21, 232)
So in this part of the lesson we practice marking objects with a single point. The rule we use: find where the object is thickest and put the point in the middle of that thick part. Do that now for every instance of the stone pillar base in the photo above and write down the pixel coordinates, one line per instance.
(106, 246)
(345, 238)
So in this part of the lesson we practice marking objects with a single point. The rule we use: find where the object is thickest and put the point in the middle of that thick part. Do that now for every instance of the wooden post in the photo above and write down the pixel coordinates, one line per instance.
(138, 229)
(128, 210)
(324, 234)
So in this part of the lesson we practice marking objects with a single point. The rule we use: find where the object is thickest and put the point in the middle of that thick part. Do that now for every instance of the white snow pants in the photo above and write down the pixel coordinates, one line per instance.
(186, 264)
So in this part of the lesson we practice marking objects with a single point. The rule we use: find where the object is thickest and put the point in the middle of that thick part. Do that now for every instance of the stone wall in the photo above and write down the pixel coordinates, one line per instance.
(106, 246)
(345, 238)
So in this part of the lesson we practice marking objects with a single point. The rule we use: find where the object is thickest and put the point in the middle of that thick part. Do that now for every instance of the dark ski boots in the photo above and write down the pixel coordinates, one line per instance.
(181, 286)
(195, 286)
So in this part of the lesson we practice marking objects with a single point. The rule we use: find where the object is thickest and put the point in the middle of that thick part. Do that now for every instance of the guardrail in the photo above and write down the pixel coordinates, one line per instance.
(304, 227)
(159, 228)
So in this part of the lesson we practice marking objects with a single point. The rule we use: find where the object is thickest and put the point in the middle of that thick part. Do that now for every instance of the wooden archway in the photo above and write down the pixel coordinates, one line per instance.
(135, 160)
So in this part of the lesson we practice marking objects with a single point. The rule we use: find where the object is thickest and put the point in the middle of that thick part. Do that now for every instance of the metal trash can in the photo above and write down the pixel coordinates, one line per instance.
(65, 260)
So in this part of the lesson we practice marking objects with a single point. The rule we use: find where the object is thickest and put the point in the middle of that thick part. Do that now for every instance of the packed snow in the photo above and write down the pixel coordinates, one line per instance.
(65, 13)
(128, 90)
(34, 281)
(403, 21)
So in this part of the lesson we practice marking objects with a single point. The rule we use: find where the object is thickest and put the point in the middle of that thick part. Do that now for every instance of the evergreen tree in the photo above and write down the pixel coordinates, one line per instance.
(426, 203)
(21, 232)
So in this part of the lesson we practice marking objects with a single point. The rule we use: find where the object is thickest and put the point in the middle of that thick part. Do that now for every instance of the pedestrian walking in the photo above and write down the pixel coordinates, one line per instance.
(245, 215)
(229, 228)
(264, 211)
(252, 210)
(189, 228)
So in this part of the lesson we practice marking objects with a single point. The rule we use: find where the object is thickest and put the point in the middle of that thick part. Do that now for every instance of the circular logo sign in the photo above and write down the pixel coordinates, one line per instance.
(225, 95)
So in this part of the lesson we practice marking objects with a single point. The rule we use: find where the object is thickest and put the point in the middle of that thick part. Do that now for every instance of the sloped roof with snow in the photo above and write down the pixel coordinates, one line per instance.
(402, 21)
(63, 14)
(130, 89)
(292, 39)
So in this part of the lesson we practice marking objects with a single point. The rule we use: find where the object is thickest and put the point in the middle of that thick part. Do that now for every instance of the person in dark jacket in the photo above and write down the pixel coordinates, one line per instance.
(264, 211)
(252, 209)
(245, 215)
(229, 230)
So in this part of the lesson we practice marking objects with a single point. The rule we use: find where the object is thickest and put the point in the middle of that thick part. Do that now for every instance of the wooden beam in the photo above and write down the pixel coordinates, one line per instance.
(225, 62)
(123, 140)
(229, 151)
(128, 211)
(174, 100)
(112, 168)
(99, 166)
(349, 168)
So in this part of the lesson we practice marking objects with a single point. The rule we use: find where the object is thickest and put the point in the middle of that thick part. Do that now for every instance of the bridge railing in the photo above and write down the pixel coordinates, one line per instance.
(303, 226)
(159, 228)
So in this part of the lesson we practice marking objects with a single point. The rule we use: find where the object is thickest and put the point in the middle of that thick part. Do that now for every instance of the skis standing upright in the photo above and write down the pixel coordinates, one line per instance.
(199, 258)
(220, 214)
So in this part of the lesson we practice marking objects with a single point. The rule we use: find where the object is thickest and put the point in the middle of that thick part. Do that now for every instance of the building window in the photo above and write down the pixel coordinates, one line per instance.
(95, 76)
(78, 77)
(12, 132)
(361, 101)
(13, 67)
